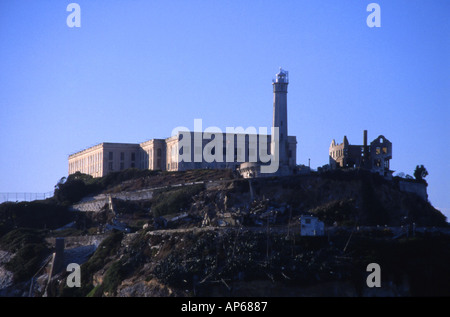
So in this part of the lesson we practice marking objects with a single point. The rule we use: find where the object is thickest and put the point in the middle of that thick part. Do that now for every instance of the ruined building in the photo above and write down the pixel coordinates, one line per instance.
(374, 157)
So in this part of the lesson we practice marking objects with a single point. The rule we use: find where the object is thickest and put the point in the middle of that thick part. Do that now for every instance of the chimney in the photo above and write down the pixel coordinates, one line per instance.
(365, 160)
(365, 140)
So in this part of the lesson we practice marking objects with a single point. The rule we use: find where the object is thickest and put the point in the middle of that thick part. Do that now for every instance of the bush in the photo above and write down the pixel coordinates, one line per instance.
(35, 214)
(30, 250)
(75, 187)
(113, 277)
(343, 212)
(99, 259)
(172, 201)
(79, 185)
(16, 239)
(27, 261)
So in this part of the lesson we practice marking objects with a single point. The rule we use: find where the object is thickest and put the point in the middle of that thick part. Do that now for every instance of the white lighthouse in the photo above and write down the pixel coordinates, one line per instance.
(283, 148)
(280, 85)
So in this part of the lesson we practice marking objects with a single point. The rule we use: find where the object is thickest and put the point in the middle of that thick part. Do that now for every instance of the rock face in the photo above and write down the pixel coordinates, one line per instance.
(6, 277)
(152, 288)
(236, 237)
(420, 189)
(250, 262)
(335, 197)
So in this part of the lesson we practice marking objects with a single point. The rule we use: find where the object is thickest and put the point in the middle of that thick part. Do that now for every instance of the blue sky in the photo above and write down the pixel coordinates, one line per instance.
(135, 70)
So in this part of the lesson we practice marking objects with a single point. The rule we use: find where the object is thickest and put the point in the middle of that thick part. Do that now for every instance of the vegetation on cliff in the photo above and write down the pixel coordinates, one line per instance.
(249, 233)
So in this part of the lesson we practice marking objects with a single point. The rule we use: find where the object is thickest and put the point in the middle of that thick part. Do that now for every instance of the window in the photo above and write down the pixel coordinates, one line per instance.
(158, 163)
(111, 156)
(385, 150)
(122, 156)
(110, 166)
(132, 165)
(378, 151)
(133, 156)
(121, 166)
(290, 154)
(159, 153)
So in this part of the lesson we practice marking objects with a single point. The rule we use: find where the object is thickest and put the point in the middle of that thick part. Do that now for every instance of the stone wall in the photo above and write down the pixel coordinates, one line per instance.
(419, 189)
(96, 203)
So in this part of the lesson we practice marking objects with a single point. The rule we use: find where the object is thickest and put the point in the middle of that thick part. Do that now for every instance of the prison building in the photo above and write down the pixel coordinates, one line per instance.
(240, 151)
(103, 158)
(235, 149)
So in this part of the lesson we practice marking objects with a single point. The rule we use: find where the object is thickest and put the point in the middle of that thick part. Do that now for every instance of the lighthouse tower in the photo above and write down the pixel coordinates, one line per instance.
(280, 85)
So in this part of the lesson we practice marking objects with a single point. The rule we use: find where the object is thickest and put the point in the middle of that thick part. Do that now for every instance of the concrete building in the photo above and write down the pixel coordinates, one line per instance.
(103, 158)
(311, 226)
(152, 154)
(229, 154)
(239, 150)
(374, 157)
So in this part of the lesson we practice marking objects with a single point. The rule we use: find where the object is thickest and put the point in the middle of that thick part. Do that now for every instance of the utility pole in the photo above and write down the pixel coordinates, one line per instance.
(267, 243)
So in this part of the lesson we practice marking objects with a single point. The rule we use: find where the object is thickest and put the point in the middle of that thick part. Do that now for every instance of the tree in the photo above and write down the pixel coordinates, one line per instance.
(72, 189)
(420, 173)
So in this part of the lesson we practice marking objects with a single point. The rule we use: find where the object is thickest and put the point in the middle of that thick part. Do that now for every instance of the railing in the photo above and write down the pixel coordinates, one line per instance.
(4, 197)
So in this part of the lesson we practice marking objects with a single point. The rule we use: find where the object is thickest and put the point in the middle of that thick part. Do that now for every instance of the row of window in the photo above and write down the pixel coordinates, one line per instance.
(237, 151)
(93, 163)
(122, 166)
(379, 163)
(90, 164)
(122, 156)
(336, 154)
(379, 150)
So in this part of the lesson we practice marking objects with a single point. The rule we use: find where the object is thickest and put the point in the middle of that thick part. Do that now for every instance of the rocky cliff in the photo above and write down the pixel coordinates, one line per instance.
(212, 233)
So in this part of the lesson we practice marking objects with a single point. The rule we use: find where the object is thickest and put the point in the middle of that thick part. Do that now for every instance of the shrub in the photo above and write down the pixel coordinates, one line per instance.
(16, 239)
(30, 250)
(99, 259)
(113, 276)
(27, 261)
(172, 201)
(35, 214)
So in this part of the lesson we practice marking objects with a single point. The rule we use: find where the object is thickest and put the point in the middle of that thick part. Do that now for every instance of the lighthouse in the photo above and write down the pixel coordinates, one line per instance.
(280, 85)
